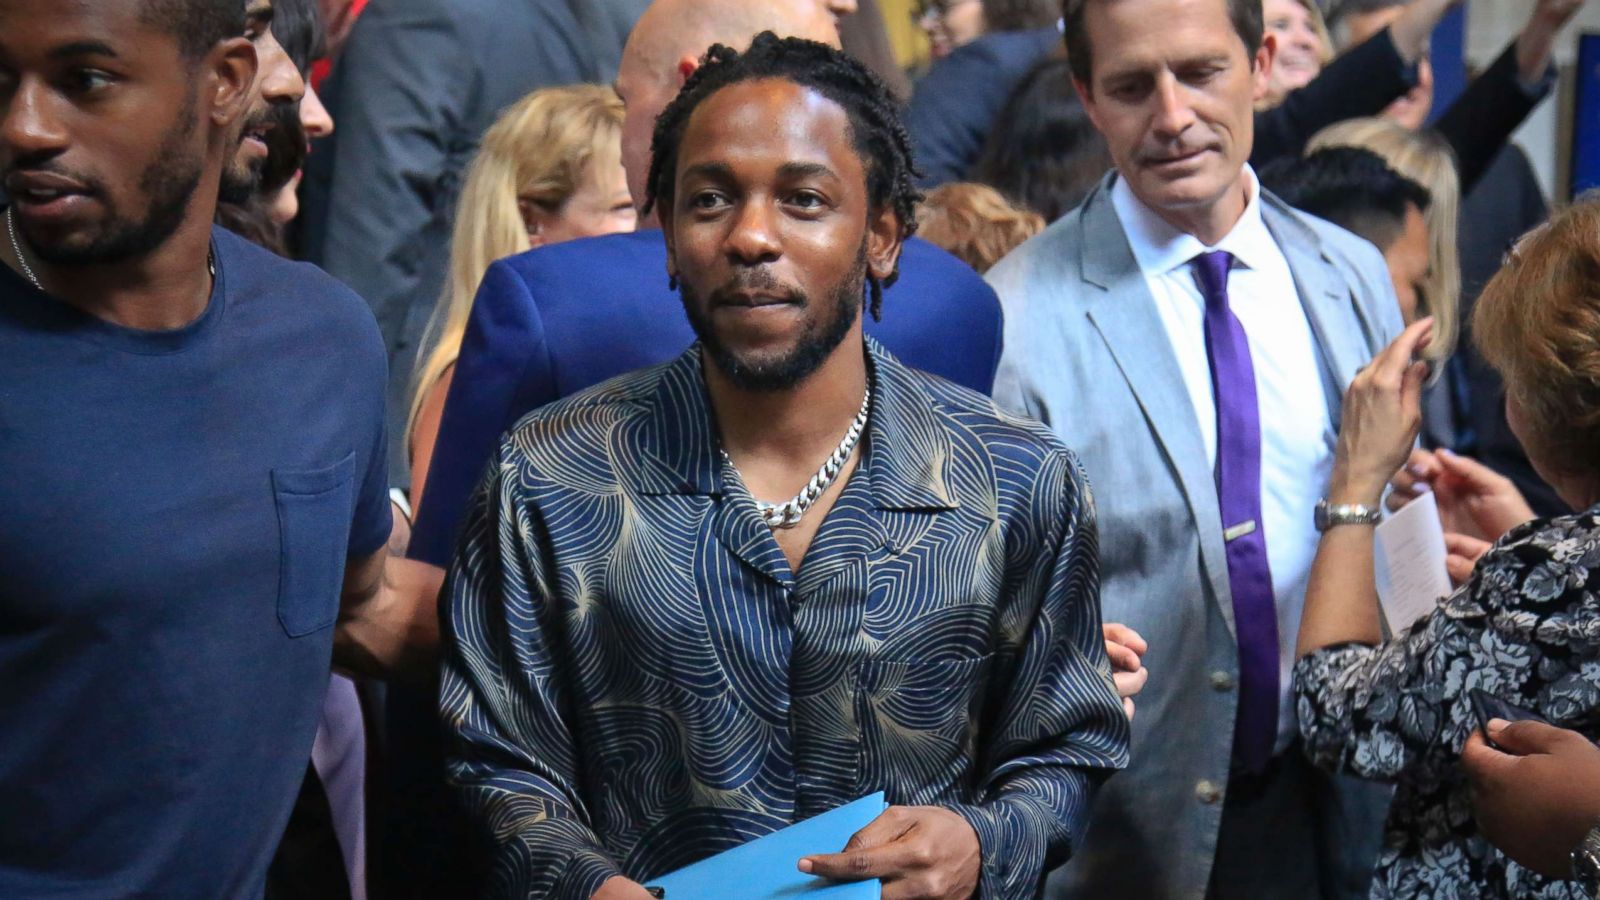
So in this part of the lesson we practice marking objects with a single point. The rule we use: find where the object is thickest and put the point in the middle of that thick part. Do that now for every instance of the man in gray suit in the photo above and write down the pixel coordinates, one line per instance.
(1190, 336)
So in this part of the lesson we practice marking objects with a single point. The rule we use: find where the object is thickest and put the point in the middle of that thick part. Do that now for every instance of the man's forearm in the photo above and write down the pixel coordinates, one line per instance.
(391, 629)
(1028, 827)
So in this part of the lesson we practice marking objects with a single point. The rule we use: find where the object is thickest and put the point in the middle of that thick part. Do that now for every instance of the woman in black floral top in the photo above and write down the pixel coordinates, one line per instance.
(1526, 624)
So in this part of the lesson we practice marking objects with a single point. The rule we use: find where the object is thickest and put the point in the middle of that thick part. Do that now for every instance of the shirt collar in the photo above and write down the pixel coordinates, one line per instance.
(905, 459)
(1160, 248)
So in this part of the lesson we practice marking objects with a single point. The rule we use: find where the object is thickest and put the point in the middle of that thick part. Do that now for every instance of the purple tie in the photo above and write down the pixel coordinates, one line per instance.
(1255, 611)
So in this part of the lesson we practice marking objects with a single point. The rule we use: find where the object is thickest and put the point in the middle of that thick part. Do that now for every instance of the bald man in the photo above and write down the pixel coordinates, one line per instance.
(666, 46)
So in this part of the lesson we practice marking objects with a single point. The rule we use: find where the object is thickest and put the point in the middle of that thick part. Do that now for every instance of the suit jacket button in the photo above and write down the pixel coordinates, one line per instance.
(1207, 792)
(1221, 681)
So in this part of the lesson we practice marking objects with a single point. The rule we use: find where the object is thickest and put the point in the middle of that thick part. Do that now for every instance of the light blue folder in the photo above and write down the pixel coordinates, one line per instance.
(766, 867)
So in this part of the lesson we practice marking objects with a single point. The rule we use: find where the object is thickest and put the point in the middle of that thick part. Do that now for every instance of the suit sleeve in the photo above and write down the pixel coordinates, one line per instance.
(1359, 83)
(504, 367)
(1061, 729)
(512, 756)
(392, 171)
(1482, 119)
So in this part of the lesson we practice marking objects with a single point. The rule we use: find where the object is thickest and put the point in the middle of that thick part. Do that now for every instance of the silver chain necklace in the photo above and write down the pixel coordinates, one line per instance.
(789, 514)
(16, 250)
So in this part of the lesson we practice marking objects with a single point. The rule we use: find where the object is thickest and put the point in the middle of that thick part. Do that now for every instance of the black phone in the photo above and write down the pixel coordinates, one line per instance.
(1487, 706)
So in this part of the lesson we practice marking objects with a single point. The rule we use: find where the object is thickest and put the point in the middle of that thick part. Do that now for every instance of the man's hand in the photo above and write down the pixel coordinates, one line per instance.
(619, 888)
(1537, 800)
(1125, 647)
(1474, 500)
(918, 852)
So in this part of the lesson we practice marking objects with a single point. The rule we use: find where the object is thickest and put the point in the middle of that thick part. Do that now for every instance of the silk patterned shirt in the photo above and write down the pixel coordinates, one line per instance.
(634, 679)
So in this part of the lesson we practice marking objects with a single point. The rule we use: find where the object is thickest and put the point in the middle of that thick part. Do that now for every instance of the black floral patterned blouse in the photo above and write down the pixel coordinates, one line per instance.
(1526, 628)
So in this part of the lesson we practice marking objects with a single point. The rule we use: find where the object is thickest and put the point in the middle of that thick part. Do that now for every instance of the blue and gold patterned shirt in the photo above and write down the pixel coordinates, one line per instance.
(634, 679)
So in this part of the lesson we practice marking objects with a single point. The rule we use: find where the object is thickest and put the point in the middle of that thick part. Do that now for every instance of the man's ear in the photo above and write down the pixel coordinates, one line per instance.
(229, 79)
(686, 67)
(885, 237)
(1266, 54)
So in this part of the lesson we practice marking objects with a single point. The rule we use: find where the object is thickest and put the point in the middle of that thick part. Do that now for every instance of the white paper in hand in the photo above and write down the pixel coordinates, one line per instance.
(1410, 563)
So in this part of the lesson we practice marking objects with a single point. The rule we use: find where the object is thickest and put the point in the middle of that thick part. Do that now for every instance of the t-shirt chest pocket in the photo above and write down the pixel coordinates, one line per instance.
(315, 507)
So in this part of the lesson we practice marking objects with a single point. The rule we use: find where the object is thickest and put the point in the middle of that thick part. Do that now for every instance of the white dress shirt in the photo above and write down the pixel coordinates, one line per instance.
(1297, 438)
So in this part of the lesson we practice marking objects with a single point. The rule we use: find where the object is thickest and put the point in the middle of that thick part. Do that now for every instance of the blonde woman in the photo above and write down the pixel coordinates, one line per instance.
(549, 170)
(1425, 158)
(1303, 46)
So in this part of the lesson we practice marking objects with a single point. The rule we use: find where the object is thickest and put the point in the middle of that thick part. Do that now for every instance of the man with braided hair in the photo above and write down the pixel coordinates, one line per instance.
(654, 654)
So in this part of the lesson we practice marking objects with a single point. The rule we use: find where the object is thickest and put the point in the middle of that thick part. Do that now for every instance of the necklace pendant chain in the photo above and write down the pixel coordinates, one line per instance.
(789, 513)
(27, 270)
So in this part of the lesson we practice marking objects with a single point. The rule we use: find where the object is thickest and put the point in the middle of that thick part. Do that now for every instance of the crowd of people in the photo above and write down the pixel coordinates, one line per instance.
(457, 448)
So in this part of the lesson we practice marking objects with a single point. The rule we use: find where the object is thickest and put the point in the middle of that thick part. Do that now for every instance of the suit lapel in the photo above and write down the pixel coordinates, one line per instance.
(1125, 317)
(1325, 297)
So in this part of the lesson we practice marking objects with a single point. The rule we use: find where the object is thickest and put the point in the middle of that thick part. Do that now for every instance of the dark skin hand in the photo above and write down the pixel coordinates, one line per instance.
(1538, 798)
(918, 852)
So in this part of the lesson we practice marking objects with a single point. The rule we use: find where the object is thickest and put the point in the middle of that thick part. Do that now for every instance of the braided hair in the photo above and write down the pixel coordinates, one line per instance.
(876, 131)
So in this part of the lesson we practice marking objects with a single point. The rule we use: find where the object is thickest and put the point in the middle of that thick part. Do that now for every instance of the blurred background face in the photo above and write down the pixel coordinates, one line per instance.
(601, 205)
(1409, 263)
(278, 84)
(949, 23)
(1175, 103)
(1300, 47)
(1411, 109)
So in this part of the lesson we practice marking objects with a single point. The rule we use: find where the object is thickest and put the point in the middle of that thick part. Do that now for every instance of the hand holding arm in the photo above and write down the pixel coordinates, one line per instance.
(1125, 648)
(1382, 414)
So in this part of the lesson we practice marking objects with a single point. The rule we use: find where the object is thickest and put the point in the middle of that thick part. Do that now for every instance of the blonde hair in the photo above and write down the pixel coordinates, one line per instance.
(1325, 53)
(542, 149)
(1425, 158)
(974, 222)
(1538, 323)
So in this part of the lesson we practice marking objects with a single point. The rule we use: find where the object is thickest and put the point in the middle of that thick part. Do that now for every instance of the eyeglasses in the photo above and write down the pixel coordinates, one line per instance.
(926, 12)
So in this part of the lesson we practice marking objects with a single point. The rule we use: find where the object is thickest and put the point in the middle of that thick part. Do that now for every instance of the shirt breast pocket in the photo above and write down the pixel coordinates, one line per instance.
(919, 726)
(315, 507)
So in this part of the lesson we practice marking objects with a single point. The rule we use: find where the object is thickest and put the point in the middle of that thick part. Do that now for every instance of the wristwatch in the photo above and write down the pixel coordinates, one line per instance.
(1329, 515)
(1586, 863)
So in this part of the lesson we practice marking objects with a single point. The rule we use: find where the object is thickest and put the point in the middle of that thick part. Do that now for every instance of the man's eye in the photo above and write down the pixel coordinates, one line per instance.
(83, 81)
(807, 200)
(706, 200)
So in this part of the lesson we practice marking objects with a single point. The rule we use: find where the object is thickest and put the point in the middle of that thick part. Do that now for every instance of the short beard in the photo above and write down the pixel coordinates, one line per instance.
(241, 180)
(814, 346)
(168, 184)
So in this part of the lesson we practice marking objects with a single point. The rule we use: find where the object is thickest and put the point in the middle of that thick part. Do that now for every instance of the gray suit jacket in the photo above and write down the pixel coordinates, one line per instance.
(1086, 352)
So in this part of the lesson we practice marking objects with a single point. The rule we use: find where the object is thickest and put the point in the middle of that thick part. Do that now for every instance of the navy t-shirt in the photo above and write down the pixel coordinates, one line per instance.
(177, 510)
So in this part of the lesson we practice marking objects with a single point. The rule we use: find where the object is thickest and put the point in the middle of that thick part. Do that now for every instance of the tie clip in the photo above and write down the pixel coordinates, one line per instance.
(1239, 531)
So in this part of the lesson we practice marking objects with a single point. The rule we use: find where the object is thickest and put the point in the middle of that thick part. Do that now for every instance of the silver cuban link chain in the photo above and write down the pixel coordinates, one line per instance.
(789, 514)
(16, 250)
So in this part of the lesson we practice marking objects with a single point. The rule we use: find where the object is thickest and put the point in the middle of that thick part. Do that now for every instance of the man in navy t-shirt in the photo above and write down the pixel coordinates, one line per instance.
(192, 453)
